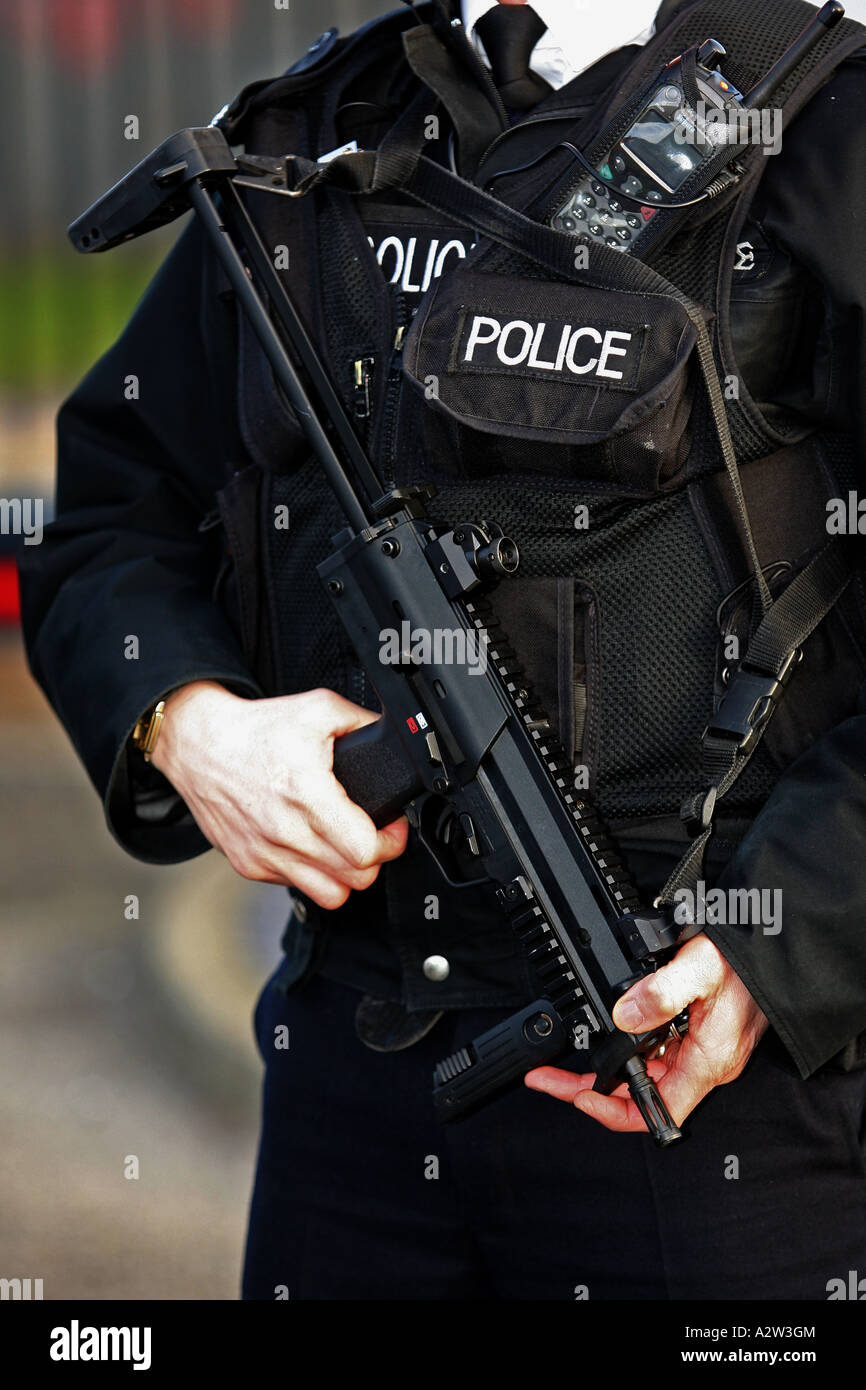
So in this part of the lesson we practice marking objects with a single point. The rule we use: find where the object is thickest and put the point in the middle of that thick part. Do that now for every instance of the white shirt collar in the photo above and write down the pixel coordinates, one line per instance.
(578, 33)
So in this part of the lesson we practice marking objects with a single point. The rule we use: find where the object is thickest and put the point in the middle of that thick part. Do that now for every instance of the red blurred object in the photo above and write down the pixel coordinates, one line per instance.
(88, 34)
(10, 606)
(208, 17)
(88, 31)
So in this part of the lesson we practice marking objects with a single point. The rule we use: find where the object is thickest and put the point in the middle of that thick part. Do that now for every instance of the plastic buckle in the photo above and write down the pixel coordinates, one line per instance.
(748, 704)
(696, 814)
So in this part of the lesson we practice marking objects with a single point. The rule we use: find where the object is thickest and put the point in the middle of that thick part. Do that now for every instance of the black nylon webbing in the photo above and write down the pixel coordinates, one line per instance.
(784, 628)
(476, 120)
(798, 611)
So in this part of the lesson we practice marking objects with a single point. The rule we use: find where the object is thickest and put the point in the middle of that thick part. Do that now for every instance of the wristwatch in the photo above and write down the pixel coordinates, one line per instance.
(146, 731)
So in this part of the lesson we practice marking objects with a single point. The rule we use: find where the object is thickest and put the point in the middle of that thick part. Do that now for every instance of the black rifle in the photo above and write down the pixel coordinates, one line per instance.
(467, 755)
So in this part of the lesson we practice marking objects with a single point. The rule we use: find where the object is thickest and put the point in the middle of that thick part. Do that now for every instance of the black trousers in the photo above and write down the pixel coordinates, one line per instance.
(360, 1193)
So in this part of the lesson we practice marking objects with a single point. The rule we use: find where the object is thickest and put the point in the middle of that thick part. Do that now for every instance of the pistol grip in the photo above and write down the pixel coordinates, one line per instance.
(375, 772)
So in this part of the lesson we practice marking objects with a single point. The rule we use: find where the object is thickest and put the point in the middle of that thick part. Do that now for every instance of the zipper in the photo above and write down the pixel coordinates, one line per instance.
(583, 676)
(362, 380)
(363, 369)
(391, 398)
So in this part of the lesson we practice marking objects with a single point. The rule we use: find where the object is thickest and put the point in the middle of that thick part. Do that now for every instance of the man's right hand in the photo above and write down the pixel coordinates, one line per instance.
(257, 776)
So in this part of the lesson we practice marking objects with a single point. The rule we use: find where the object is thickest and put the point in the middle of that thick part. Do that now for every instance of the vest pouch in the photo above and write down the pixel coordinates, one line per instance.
(278, 528)
(552, 624)
(604, 381)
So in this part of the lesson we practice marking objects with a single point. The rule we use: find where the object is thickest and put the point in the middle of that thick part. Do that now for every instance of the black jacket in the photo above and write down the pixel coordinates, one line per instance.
(135, 552)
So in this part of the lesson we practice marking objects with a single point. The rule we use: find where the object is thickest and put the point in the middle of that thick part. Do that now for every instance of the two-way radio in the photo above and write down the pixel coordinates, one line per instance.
(678, 140)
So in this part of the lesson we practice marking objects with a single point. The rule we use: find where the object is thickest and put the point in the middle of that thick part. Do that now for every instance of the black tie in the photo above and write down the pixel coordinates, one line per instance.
(509, 34)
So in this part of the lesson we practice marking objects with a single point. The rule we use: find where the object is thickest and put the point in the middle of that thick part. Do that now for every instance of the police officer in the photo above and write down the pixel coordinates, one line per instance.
(358, 1193)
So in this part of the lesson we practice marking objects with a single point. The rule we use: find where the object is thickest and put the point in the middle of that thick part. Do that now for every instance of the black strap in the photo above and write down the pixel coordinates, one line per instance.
(475, 111)
(753, 696)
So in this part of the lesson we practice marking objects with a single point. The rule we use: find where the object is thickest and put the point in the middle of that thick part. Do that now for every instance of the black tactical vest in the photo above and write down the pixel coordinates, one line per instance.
(589, 439)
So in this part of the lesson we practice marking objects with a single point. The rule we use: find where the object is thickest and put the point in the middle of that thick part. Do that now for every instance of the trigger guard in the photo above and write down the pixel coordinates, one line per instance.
(432, 818)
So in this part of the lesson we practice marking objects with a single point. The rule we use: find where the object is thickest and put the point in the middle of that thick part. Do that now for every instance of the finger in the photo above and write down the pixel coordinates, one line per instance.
(314, 853)
(681, 1086)
(327, 826)
(392, 839)
(616, 1112)
(330, 715)
(565, 1085)
(553, 1081)
(298, 839)
(692, 974)
(334, 815)
(324, 890)
(690, 1077)
(341, 872)
(345, 826)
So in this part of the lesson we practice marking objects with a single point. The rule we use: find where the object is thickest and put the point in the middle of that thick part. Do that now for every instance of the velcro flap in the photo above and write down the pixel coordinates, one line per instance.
(543, 359)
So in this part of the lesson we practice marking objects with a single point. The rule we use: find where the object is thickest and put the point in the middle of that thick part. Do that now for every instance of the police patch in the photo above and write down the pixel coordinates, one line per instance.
(605, 353)
(412, 246)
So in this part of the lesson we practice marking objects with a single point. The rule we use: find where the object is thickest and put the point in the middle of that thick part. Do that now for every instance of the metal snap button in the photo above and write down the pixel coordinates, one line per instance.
(436, 968)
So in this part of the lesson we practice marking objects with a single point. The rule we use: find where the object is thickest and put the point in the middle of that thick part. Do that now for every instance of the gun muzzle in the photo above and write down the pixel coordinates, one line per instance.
(645, 1095)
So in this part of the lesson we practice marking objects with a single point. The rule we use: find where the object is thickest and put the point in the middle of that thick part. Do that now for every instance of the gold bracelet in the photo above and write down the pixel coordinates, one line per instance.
(146, 731)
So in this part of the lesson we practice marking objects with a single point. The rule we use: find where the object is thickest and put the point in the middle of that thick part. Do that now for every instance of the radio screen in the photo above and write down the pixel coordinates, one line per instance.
(653, 142)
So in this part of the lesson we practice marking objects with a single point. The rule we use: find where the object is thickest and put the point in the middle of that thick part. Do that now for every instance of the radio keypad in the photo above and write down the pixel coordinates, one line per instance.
(619, 223)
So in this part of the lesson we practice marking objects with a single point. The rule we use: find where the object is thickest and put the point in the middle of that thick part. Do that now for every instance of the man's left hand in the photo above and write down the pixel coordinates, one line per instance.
(725, 1025)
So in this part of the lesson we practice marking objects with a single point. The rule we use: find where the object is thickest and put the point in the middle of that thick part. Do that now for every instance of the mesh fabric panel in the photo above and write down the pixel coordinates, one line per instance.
(656, 632)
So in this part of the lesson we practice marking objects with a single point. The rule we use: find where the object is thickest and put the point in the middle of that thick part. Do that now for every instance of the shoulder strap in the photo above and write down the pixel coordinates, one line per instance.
(748, 704)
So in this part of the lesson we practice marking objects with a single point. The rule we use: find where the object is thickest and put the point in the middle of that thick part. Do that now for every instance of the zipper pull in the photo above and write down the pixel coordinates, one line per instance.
(363, 377)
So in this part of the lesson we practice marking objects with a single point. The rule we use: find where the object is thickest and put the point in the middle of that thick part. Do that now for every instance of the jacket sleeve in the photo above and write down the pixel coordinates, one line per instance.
(809, 841)
(117, 601)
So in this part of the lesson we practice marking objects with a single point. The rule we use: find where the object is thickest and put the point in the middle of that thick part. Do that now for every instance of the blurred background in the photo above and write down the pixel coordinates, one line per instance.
(115, 1042)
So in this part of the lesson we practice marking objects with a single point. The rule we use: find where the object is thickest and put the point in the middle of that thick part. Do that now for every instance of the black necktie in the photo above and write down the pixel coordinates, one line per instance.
(509, 34)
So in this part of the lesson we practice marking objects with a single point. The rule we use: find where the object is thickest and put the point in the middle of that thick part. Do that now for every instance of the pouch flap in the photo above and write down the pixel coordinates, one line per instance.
(544, 359)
